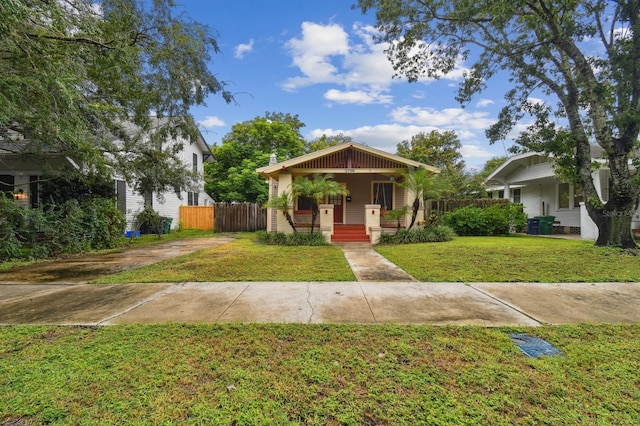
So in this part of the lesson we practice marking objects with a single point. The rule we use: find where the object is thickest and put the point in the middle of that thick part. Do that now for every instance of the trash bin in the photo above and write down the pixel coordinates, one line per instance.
(167, 221)
(546, 224)
(533, 226)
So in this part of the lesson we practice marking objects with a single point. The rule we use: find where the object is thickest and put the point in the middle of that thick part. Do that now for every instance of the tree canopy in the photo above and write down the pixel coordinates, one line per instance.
(442, 150)
(75, 75)
(249, 145)
(583, 54)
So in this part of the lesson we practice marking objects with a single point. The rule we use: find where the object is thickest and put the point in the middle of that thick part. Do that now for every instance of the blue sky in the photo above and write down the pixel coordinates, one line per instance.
(317, 59)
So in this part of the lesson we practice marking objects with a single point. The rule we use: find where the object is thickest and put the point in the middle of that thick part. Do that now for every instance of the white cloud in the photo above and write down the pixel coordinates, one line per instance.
(359, 97)
(484, 103)
(448, 118)
(409, 121)
(243, 48)
(212, 121)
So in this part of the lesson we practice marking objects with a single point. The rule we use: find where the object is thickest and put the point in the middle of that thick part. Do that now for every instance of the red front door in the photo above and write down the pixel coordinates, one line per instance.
(336, 200)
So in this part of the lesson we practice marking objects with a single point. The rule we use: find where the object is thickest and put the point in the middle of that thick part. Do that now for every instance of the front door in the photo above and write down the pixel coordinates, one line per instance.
(338, 214)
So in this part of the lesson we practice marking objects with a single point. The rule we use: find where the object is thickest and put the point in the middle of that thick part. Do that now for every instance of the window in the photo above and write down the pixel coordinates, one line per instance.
(195, 163)
(501, 194)
(7, 183)
(577, 195)
(192, 198)
(305, 203)
(563, 196)
(121, 195)
(383, 195)
(517, 196)
(569, 196)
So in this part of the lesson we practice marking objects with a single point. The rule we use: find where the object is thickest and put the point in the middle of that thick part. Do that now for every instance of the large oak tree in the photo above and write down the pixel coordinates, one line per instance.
(76, 75)
(584, 54)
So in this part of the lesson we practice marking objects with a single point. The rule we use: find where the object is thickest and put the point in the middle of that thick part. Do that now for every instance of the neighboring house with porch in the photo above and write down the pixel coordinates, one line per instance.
(20, 176)
(370, 175)
(529, 179)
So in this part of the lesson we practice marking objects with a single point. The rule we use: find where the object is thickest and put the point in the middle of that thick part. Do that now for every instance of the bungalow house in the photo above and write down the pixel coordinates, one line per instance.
(19, 178)
(371, 178)
(529, 179)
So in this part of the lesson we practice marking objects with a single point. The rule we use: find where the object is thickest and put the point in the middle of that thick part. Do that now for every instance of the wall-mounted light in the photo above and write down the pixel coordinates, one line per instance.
(326, 212)
(20, 195)
(373, 212)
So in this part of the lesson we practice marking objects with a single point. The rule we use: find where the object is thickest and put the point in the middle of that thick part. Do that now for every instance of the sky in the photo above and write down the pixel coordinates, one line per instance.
(317, 59)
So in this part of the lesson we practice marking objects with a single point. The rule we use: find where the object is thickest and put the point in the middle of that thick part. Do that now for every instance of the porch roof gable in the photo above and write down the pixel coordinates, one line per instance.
(349, 155)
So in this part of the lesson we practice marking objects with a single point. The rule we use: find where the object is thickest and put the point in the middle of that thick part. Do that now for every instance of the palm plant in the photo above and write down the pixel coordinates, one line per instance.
(317, 189)
(283, 203)
(422, 183)
(396, 214)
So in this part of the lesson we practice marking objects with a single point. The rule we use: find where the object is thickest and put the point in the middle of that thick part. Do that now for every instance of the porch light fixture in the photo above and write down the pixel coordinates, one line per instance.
(326, 211)
(20, 195)
(373, 212)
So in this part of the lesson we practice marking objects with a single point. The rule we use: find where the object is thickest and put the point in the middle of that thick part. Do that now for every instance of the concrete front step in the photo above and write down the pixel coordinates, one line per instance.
(350, 234)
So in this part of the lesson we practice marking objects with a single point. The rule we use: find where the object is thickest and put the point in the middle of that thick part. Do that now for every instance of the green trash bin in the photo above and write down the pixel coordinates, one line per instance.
(166, 222)
(546, 224)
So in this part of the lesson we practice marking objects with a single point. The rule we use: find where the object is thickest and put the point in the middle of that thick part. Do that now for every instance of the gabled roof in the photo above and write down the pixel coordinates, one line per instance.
(391, 161)
(510, 165)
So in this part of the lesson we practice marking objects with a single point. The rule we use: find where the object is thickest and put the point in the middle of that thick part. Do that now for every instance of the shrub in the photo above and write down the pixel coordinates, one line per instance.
(294, 239)
(498, 219)
(66, 228)
(149, 221)
(429, 234)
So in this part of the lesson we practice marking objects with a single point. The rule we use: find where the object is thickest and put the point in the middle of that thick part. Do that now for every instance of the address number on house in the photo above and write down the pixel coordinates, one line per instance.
(349, 170)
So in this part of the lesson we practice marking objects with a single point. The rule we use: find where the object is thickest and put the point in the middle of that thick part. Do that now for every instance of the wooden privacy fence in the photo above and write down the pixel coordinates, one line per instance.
(239, 217)
(197, 217)
(440, 207)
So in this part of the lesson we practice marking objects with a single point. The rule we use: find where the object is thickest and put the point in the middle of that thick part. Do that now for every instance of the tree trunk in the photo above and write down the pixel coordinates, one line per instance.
(614, 218)
(614, 225)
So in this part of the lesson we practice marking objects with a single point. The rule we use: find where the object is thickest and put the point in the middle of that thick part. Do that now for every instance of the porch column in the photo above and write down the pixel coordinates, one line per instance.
(326, 220)
(372, 222)
(507, 191)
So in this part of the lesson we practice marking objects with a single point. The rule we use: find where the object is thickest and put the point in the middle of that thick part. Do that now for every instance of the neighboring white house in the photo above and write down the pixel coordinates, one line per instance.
(529, 179)
(19, 176)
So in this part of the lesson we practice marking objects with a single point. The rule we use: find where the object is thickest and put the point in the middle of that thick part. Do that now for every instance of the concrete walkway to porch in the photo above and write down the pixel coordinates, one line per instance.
(369, 265)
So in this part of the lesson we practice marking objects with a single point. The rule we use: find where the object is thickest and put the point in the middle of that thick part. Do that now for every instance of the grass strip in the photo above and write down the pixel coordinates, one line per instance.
(316, 375)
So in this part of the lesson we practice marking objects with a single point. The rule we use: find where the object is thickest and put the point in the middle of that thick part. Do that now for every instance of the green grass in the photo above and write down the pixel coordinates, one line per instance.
(317, 375)
(514, 259)
(245, 260)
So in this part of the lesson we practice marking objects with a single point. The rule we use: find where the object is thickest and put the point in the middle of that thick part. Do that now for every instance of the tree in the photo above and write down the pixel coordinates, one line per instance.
(490, 166)
(325, 141)
(317, 189)
(283, 202)
(76, 74)
(548, 48)
(249, 145)
(442, 150)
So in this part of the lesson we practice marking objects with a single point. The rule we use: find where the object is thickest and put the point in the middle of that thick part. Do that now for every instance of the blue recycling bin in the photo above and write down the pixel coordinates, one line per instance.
(533, 226)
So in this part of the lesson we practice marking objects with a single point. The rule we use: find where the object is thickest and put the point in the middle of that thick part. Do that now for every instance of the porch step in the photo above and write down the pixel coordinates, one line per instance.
(349, 234)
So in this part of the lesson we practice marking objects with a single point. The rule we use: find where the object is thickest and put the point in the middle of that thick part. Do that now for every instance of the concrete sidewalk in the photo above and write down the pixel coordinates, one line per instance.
(486, 304)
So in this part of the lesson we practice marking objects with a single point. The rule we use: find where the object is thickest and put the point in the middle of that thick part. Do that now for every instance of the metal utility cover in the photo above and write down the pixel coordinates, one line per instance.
(534, 346)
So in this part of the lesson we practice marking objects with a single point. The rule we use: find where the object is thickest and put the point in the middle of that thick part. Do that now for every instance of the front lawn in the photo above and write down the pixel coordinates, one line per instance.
(513, 259)
(317, 375)
(245, 260)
